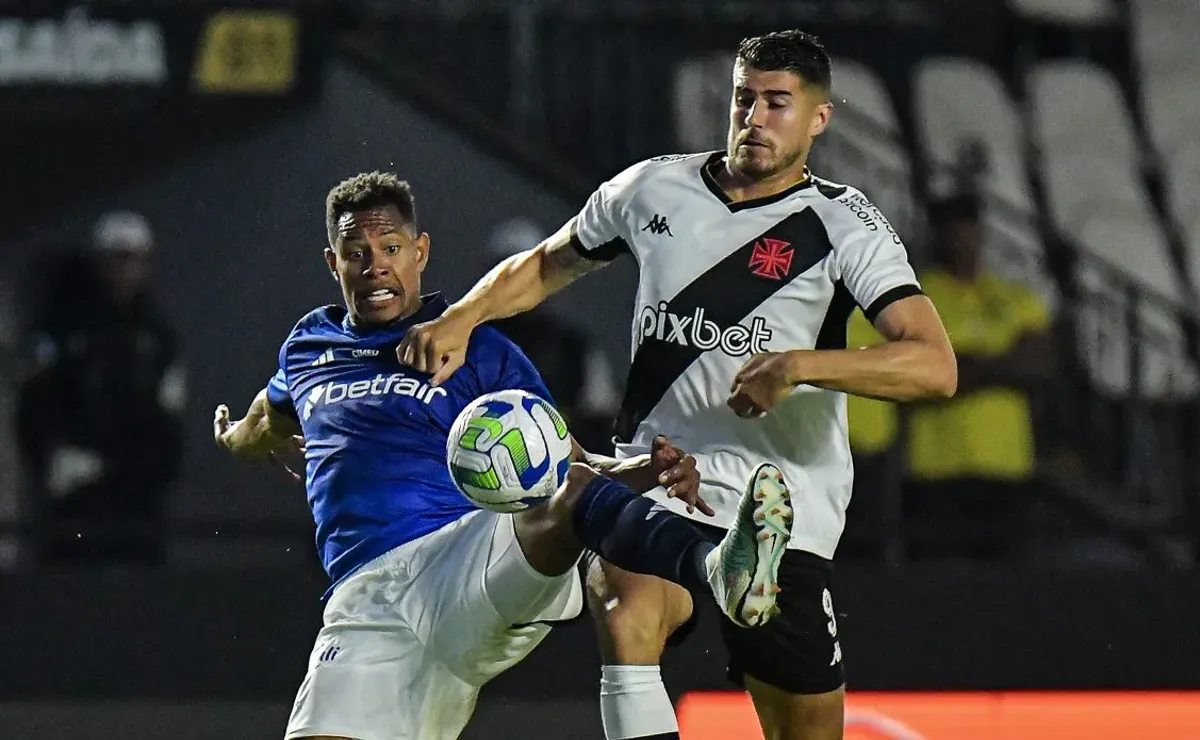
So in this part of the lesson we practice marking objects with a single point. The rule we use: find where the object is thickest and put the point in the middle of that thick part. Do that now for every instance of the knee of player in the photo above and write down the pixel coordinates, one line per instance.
(562, 504)
(577, 478)
(579, 475)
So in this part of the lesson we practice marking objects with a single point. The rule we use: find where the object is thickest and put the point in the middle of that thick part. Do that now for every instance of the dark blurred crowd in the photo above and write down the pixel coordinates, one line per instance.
(98, 407)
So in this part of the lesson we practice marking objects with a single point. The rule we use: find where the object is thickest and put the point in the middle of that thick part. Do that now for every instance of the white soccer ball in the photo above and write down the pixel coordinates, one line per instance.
(508, 451)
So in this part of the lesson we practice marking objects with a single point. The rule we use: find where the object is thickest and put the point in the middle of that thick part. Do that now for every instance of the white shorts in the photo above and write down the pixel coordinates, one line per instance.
(410, 637)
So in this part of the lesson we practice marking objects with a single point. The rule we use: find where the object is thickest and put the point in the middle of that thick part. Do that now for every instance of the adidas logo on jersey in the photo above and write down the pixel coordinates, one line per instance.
(327, 356)
(697, 331)
(381, 385)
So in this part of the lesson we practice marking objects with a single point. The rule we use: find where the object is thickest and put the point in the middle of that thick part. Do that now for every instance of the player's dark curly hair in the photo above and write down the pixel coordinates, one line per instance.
(795, 51)
(365, 191)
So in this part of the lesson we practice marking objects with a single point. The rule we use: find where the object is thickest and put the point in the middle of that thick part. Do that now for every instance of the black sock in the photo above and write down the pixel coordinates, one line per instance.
(625, 529)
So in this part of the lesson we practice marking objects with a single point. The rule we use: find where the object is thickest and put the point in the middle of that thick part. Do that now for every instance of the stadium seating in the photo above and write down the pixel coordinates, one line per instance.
(1181, 174)
(1091, 160)
(866, 145)
(957, 100)
(701, 94)
(1079, 106)
(1079, 13)
(1106, 347)
(1163, 40)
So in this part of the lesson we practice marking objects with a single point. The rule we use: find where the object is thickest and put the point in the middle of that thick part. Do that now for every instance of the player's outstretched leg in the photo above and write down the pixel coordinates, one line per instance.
(633, 533)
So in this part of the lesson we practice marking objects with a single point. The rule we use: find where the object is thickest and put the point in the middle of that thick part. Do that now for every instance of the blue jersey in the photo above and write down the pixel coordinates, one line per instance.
(375, 430)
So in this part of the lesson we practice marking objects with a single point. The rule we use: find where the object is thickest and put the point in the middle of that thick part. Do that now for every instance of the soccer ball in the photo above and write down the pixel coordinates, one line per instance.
(508, 451)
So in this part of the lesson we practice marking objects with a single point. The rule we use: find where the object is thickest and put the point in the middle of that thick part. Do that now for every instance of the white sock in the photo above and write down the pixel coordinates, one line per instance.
(634, 703)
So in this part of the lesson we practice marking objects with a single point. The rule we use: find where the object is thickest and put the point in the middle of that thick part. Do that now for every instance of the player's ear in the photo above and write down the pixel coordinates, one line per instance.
(331, 261)
(821, 117)
(422, 245)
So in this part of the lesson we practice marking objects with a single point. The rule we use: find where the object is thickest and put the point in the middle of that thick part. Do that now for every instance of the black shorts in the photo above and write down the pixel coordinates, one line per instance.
(798, 650)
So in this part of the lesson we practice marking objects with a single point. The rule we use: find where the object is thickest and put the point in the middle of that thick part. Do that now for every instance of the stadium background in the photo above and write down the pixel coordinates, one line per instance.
(230, 134)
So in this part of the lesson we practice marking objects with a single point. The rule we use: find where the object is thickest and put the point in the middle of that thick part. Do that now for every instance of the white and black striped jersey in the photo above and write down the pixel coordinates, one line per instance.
(720, 281)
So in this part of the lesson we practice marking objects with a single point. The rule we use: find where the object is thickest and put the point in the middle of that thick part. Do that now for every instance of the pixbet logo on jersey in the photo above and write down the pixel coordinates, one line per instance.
(697, 331)
(381, 385)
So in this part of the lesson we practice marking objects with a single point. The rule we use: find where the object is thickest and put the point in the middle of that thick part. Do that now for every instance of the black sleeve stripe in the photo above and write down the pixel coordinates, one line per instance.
(900, 292)
(606, 252)
(832, 192)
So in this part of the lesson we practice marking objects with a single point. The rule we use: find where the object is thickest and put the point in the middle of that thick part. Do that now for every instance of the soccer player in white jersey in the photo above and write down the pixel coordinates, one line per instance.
(750, 267)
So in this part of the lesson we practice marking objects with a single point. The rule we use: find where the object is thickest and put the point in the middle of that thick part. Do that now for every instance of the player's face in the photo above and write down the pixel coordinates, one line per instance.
(378, 261)
(773, 119)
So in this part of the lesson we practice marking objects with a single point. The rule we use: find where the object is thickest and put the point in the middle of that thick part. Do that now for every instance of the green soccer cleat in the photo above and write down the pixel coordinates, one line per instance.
(743, 570)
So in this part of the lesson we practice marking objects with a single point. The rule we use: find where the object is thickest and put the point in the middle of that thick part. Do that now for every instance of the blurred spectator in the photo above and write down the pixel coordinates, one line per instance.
(970, 461)
(575, 368)
(98, 420)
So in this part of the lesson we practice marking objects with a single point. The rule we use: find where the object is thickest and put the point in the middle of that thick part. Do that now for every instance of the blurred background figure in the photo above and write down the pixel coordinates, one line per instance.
(576, 369)
(98, 411)
(968, 462)
(973, 459)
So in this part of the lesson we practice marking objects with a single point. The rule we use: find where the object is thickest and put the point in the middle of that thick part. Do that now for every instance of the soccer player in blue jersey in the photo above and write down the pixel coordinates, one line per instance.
(433, 597)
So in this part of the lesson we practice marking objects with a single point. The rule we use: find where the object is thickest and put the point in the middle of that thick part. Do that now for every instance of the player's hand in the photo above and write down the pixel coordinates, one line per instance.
(676, 471)
(233, 437)
(288, 457)
(763, 381)
(437, 347)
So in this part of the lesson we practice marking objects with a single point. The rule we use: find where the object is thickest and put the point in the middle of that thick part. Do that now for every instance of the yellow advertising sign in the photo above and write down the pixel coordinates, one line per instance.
(248, 52)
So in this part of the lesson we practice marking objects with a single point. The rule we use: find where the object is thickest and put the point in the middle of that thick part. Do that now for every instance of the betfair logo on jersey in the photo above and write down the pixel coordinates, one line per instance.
(382, 385)
(697, 331)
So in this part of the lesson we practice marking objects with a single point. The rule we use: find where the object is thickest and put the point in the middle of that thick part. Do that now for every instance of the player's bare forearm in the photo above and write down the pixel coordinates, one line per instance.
(665, 465)
(636, 472)
(916, 362)
(904, 370)
(261, 431)
(525, 280)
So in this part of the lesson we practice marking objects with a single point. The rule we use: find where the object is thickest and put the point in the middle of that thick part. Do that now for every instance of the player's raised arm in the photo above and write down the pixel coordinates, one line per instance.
(594, 237)
(524, 280)
(516, 285)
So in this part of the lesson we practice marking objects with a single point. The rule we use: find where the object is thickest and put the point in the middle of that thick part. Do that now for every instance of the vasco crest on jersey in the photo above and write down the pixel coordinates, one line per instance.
(771, 259)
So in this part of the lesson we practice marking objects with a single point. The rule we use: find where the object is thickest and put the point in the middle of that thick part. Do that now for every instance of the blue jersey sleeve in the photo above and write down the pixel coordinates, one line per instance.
(519, 373)
(507, 368)
(278, 395)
